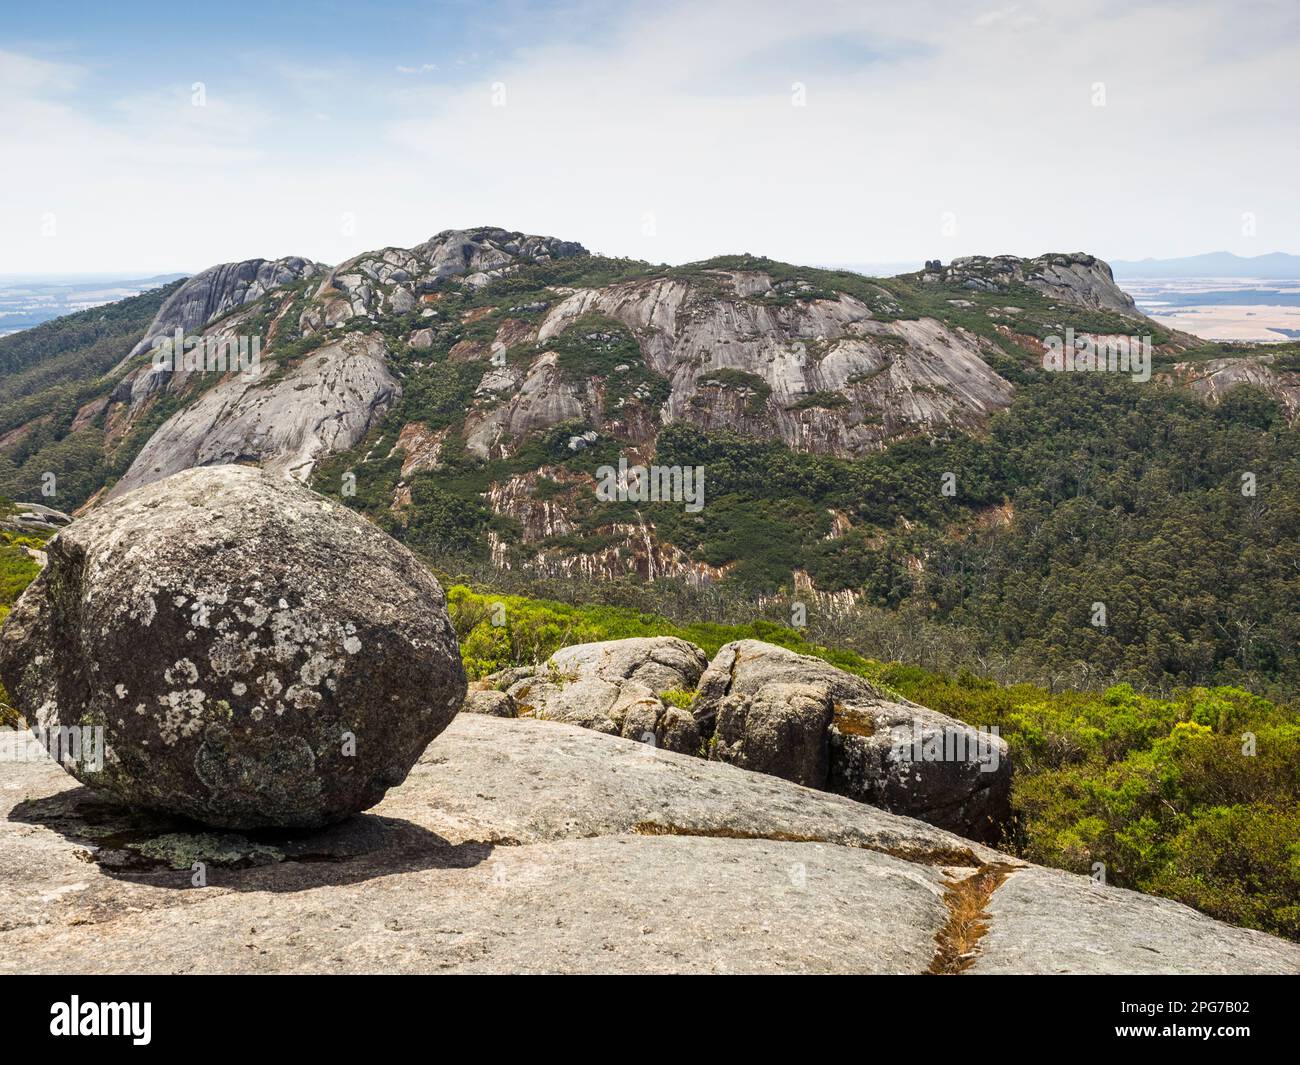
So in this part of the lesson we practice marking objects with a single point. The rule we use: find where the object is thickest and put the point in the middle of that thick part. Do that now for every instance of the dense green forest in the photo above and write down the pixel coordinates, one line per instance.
(1180, 518)
(47, 374)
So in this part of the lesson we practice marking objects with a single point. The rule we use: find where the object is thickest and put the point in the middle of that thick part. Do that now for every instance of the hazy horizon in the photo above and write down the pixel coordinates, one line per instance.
(154, 136)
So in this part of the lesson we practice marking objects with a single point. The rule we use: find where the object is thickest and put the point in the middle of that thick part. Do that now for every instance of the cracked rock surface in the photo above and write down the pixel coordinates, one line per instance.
(524, 845)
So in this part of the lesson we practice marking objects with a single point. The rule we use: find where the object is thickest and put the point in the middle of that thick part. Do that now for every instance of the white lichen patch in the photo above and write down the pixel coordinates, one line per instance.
(233, 654)
(301, 698)
(317, 668)
(256, 614)
(182, 714)
(182, 672)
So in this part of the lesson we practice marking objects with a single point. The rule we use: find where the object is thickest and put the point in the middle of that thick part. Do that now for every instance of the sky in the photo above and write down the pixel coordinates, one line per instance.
(148, 137)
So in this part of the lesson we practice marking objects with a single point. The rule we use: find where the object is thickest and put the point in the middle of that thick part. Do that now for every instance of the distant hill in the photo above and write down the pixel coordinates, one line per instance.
(869, 443)
(1212, 264)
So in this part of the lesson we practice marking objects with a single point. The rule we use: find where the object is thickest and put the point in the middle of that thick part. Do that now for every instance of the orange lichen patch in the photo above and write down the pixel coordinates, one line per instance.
(853, 722)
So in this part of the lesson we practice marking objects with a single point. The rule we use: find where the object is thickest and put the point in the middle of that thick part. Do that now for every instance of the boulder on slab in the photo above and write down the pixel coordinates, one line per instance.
(522, 846)
(768, 708)
(229, 646)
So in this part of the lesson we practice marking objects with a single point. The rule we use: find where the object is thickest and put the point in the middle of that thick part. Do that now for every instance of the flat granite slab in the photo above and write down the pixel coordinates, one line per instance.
(529, 846)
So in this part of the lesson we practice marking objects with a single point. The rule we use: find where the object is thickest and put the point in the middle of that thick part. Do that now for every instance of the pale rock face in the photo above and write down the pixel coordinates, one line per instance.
(1215, 378)
(614, 687)
(1076, 278)
(325, 404)
(544, 399)
(511, 847)
(255, 654)
(895, 378)
(491, 702)
(392, 279)
(219, 290)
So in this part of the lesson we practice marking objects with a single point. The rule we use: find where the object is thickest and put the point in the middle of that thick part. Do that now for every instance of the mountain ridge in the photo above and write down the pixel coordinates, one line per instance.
(862, 437)
(1272, 266)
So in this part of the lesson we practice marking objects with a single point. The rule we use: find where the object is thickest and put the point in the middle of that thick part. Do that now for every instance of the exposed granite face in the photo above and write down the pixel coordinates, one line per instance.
(391, 280)
(764, 708)
(617, 687)
(34, 518)
(235, 648)
(1213, 379)
(533, 846)
(284, 422)
(221, 289)
(892, 379)
(1044, 921)
(1075, 278)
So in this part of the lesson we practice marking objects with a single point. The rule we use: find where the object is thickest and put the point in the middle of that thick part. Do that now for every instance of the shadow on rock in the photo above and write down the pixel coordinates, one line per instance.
(160, 850)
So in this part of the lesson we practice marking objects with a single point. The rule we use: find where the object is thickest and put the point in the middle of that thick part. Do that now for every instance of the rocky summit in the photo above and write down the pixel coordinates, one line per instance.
(228, 646)
(526, 355)
(541, 847)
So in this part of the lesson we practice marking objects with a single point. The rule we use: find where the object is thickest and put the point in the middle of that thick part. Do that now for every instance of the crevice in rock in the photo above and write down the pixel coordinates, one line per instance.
(967, 899)
(945, 856)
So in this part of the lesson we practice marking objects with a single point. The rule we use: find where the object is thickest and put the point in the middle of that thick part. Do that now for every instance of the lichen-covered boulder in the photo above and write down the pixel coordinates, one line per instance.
(617, 687)
(780, 729)
(769, 709)
(249, 653)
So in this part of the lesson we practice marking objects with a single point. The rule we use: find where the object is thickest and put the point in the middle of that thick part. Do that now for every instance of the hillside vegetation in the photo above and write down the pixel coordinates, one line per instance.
(47, 375)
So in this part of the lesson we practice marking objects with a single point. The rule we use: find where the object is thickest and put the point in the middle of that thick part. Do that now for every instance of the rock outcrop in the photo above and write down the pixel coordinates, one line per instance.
(528, 846)
(285, 422)
(1077, 279)
(221, 289)
(1213, 379)
(616, 687)
(739, 356)
(229, 646)
(766, 708)
(27, 518)
(392, 280)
